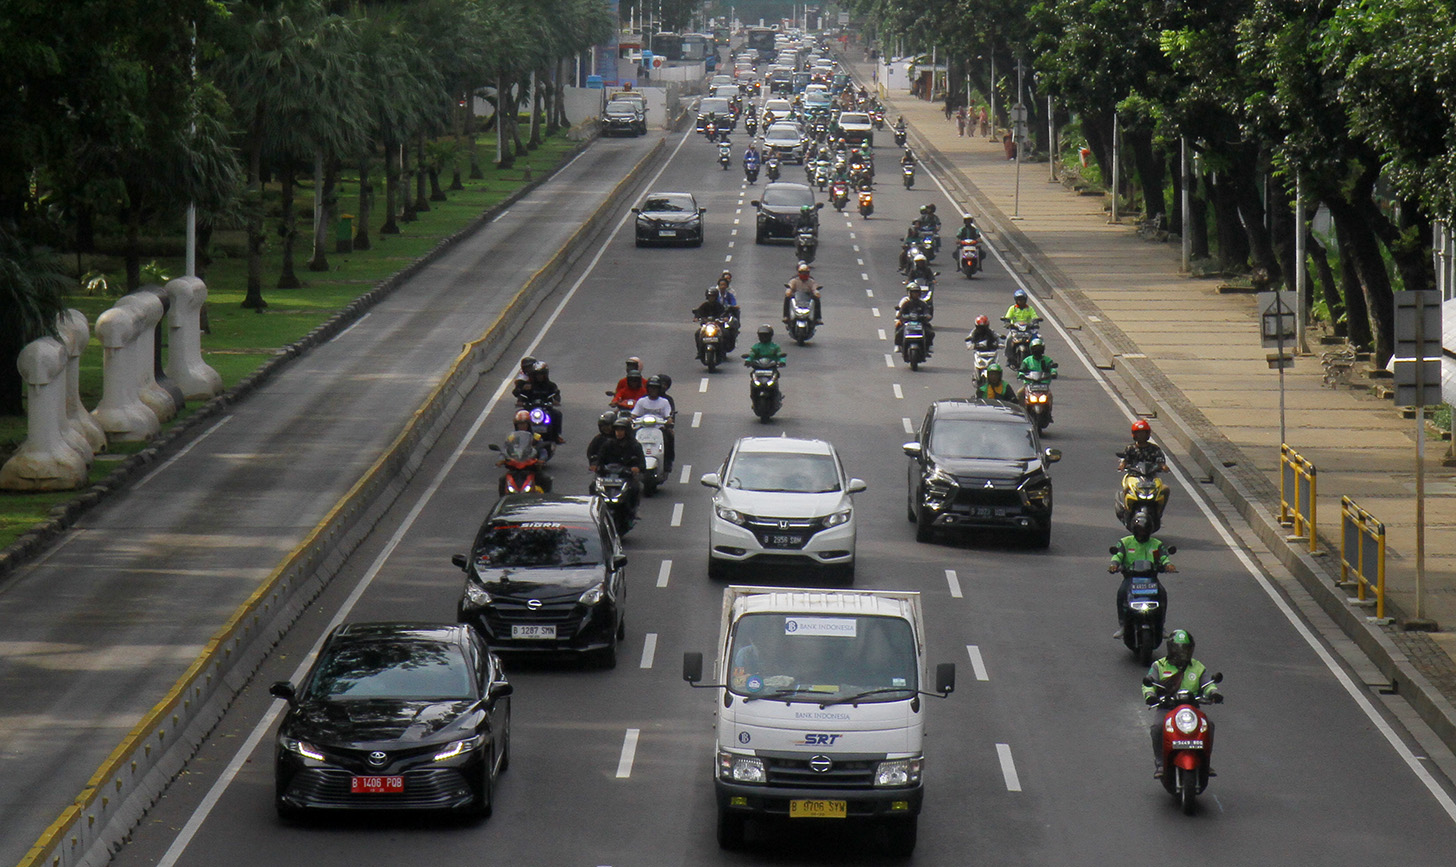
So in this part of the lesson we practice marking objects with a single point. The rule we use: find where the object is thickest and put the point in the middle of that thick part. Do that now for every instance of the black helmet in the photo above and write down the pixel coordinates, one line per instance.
(1142, 526)
(541, 368)
(765, 333)
(654, 381)
(634, 374)
(1180, 648)
(622, 422)
(710, 293)
(605, 420)
(528, 362)
(930, 207)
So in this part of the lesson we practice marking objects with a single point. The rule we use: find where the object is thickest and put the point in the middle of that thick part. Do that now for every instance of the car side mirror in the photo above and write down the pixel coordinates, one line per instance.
(619, 561)
(1218, 677)
(501, 689)
(1112, 549)
(692, 670)
(710, 480)
(284, 690)
(945, 678)
(754, 203)
(912, 449)
(459, 562)
(857, 485)
(1053, 455)
(636, 210)
(1172, 549)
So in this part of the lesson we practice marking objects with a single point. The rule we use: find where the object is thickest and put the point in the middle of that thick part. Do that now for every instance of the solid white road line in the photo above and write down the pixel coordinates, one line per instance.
(978, 665)
(506, 211)
(357, 323)
(687, 473)
(954, 582)
(1354, 690)
(899, 395)
(677, 513)
(909, 425)
(697, 419)
(629, 753)
(889, 360)
(205, 434)
(649, 649)
(702, 387)
(663, 572)
(1008, 768)
(235, 765)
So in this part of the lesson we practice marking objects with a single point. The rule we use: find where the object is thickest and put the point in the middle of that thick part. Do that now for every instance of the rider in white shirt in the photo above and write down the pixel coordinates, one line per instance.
(655, 403)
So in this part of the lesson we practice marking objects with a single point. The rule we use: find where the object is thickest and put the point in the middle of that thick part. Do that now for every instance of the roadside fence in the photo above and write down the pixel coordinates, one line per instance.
(1362, 554)
(1298, 503)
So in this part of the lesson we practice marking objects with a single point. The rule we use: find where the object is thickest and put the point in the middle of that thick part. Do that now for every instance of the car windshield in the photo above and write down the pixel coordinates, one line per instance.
(715, 105)
(620, 107)
(799, 658)
(537, 544)
(777, 195)
(780, 132)
(668, 203)
(968, 438)
(847, 117)
(393, 669)
(784, 473)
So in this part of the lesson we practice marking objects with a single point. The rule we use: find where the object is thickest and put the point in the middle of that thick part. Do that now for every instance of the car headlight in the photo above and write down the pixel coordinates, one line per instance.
(301, 748)
(837, 518)
(939, 479)
(459, 747)
(1186, 721)
(476, 596)
(741, 769)
(732, 516)
(592, 596)
(1039, 494)
(898, 772)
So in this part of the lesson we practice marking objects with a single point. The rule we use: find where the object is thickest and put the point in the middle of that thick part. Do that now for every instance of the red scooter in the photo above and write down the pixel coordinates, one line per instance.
(1187, 742)
(524, 471)
(970, 257)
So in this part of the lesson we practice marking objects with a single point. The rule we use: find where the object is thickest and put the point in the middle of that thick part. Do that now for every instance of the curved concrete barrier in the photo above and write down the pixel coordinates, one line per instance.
(185, 366)
(150, 307)
(75, 334)
(122, 414)
(46, 461)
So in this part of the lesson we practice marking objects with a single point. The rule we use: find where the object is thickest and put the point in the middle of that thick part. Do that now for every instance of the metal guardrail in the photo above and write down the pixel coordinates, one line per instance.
(1298, 503)
(1362, 553)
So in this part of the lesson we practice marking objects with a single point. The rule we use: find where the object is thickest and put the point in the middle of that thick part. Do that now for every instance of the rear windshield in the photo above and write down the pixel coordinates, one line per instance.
(714, 104)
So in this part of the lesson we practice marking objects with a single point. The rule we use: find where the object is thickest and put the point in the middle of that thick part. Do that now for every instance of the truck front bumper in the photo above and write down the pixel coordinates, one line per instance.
(773, 801)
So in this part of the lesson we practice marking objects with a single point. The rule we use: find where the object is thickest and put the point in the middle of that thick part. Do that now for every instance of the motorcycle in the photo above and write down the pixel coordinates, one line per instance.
(986, 353)
(1187, 742)
(771, 166)
(821, 174)
(878, 117)
(725, 155)
(908, 171)
(866, 203)
(710, 339)
(763, 387)
(839, 194)
(650, 431)
(524, 471)
(1144, 610)
(710, 129)
(899, 136)
(801, 318)
(969, 257)
(541, 415)
(751, 124)
(1141, 492)
(750, 171)
(929, 243)
(914, 345)
(1018, 340)
(612, 485)
(1037, 397)
(806, 244)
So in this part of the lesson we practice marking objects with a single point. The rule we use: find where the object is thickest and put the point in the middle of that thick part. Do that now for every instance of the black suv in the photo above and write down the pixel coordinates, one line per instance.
(546, 573)
(779, 210)
(980, 464)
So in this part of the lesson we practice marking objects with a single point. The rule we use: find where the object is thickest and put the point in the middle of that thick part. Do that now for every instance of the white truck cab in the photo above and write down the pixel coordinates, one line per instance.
(820, 711)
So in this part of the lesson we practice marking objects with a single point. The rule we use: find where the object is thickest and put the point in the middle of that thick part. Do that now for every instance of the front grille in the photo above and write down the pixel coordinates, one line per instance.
(504, 612)
(796, 774)
(430, 789)
(978, 495)
(777, 532)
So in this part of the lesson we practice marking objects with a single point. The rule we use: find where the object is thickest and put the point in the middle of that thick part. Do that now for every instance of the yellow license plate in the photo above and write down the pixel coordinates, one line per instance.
(818, 809)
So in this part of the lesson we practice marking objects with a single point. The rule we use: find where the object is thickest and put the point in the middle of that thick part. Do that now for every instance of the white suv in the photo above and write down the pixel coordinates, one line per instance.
(782, 501)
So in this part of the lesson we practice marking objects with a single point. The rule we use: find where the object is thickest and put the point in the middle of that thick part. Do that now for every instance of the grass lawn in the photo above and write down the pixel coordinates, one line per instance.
(239, 340)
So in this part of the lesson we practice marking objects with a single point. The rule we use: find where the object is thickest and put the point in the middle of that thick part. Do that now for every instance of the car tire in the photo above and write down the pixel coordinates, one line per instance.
(1041, 537)
(607, 656)
(719, 570)
(924, 529)
(622, 628)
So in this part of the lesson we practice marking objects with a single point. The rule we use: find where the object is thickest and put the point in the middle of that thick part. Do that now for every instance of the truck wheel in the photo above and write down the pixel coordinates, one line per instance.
(902, 837)
(730, 829)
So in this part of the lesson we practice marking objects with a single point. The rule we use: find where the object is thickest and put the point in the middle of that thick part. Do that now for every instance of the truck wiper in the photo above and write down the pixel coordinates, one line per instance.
(851, 699)
(784, 693)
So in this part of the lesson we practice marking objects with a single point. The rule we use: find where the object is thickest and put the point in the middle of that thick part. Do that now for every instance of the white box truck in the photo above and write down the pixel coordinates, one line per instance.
(820, 711)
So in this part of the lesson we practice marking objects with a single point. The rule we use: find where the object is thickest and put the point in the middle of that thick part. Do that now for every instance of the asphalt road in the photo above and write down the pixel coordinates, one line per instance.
(1042, 755)
(95, 632)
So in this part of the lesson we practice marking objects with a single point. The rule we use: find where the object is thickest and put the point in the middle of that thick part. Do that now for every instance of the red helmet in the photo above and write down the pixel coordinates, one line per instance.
(522, 416)
(982, 320)
(1141, 426)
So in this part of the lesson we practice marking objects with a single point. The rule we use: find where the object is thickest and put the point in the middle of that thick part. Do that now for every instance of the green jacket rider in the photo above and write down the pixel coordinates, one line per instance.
(1174, 672)
(765, 347)
(994, 388)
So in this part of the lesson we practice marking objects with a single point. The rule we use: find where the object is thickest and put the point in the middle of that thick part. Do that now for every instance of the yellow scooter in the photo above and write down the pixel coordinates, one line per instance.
(1141, 491)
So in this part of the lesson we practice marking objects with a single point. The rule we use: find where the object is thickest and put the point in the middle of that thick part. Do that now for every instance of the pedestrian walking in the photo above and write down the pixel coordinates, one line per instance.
(983, 120)
(949, 109)
(961, 121)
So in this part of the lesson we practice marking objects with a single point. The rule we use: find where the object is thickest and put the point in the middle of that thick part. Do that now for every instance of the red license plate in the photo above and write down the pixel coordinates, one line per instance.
(376, 785)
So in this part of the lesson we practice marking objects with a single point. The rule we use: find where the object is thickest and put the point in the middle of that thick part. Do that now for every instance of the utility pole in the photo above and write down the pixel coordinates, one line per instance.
(1116, 161)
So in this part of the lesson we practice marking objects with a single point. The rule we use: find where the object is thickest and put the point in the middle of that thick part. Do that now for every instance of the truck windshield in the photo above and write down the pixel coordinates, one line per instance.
(823, 659)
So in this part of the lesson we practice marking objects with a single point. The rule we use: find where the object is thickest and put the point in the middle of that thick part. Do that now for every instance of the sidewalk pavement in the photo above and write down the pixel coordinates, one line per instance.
(1199, 349)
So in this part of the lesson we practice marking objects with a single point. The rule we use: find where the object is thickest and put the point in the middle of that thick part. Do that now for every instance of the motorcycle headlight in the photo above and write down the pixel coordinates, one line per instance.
(732, 516)
(1144, 605)
(592, 596)
(539, 416)
(898, 772)
(710, 331)
(476, 596)
(741, 769)
(459, 747)
(837, 518)
(1186, 721)
(301, 748)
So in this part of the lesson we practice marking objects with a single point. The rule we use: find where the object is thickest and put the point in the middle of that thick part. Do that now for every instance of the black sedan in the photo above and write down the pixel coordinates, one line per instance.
(669, 218)
(547, 573)
(980, 464)
(780, 208)
(395, 716)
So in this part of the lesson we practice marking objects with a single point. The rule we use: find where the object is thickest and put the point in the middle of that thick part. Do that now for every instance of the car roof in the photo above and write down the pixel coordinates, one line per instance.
(544, 507)
(979, 409)
(783, 445)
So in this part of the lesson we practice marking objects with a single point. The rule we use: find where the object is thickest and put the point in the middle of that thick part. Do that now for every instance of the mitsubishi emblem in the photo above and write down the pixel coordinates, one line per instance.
(989, 484)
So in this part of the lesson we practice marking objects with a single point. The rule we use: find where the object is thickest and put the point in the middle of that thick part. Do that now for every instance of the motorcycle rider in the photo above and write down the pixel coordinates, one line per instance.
(802, 282)
(521, 429)
(968, 231)
(908, 159)
(711, 308)
(928, 219)
(623, 449)
(527, 363)
(1139, 546)
(1143, 449)
(914, 304)
(656, 404)
(765, 347)
(994, 388)
(539, 389)
(1020, 309)
(1037, 360)
(629, 391)
(751, 158)
(1175, 672)
(983, 336)
(604, 433)
(919, 270)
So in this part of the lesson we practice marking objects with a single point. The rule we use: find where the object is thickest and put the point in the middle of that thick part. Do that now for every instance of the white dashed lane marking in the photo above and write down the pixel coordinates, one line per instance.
(677, 513)
(702, 389)
(881, 332)
(629, 753)
(664, 572)
(954, 582)
(649, 649)
(899, 395)
(909, 425)
(875, 311)
(978, 665)
(1008, 768)
(889, 360)
(687, 473)
(697, 419)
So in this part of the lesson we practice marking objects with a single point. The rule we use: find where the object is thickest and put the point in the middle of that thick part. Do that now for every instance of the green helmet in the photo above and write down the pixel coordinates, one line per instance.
(1180, 648)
